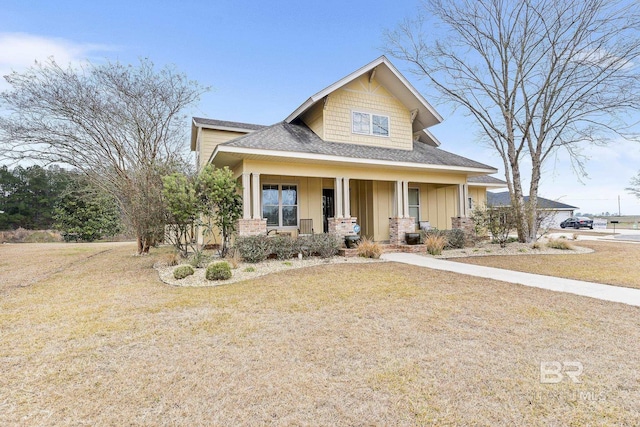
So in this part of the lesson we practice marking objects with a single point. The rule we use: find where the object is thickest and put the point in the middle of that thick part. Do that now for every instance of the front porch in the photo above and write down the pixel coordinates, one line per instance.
(384, 210)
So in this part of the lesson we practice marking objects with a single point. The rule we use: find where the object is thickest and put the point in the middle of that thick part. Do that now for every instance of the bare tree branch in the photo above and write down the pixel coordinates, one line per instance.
(536, 75)
(121, 125)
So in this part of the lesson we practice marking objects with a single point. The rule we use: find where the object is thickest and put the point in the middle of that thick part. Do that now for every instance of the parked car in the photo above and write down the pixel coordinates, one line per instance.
(577, 222)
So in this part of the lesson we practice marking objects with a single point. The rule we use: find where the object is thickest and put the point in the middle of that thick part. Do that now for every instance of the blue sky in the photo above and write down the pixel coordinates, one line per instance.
(264, 58)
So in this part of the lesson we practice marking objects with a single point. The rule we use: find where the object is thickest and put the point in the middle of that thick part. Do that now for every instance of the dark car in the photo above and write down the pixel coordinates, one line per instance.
(577, 222)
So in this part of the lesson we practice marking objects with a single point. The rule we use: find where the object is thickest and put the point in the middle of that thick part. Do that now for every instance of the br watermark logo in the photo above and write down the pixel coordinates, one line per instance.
(554, 372)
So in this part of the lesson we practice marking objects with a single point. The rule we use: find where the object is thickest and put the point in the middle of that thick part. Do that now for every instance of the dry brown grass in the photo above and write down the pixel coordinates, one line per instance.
(613, 263)
(103, 342)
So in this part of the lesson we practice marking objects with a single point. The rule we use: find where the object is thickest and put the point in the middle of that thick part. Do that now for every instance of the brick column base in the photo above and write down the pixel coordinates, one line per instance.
(342, 227)
(252, 227)
(398, 227)
(467, 226)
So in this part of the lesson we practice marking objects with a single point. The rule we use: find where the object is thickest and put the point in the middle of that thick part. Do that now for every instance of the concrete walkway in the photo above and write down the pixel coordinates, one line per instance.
(593, 290)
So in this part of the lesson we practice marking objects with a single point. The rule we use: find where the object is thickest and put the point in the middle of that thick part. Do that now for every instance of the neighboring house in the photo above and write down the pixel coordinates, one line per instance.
(553, 213)
(356, 152)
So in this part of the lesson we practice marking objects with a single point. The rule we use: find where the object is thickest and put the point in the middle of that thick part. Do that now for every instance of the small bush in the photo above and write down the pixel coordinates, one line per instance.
(367, 248)
(172, 259)
(425, 234)
(455, 239)
(218, 271)
(435, 243)
(250, 269)
(285, 247)
(183, 271)
(537, 245)
(253, 248)
(304, 245)
(560, 244)
(325, 245)
(199, 259)
(503, 242)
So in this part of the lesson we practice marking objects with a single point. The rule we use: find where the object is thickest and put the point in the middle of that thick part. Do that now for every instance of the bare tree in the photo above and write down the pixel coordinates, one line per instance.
(536, 75)
(635, 185)
(122, 125)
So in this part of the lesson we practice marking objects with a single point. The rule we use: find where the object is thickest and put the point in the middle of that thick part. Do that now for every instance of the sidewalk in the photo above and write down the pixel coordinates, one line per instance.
(589, 289)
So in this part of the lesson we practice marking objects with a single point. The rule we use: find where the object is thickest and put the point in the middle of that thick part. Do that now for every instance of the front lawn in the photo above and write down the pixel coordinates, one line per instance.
(101, 341)
(613, 263)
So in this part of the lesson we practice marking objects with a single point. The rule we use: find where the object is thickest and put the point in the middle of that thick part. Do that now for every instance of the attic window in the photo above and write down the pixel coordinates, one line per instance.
(370, 124)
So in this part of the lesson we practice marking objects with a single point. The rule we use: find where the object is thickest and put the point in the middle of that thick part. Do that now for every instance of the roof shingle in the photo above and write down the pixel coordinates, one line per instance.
(290, 137)
(227, 124)
(504, 199)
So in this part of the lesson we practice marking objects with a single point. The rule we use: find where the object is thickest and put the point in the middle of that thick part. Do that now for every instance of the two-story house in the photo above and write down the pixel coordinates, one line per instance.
(358, 151)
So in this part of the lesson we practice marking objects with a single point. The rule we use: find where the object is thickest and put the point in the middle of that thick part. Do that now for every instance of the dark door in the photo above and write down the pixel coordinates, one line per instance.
(328, 208)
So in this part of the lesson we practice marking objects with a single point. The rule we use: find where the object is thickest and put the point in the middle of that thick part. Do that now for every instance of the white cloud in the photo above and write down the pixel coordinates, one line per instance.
(19, 51)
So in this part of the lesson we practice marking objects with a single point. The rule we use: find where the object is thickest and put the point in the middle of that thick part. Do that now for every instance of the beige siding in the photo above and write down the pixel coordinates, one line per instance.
(314, 119)
(367, 97)
(478, 195)
(438, 204)
(362, 206)
(383, 193)
(209, 139)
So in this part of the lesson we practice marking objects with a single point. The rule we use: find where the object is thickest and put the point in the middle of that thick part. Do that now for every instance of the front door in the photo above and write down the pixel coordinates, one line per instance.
(328, 207)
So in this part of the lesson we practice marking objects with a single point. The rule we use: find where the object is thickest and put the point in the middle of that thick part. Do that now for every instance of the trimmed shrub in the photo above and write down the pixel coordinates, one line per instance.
(325, 245)
(285, 247)
(218, 271)
(182, 271)
(560, 244)
(435, 243)
(455, 239)
(254, 248)
(367, 248)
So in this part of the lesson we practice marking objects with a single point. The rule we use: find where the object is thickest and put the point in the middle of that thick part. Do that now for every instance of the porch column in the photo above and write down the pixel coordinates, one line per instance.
(347, 198)
(398, 202)
(405, 198)
(338, 197)
(246, 195)
(463, 192)
(255, 196)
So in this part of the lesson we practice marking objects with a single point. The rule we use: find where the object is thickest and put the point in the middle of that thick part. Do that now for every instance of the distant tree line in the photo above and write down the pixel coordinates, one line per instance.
(38, 198)
(28, 196)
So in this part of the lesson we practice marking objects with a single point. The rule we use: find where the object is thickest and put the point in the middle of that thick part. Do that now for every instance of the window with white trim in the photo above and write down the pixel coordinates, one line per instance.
(369, 124)
(414, 203)
(280, 205)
